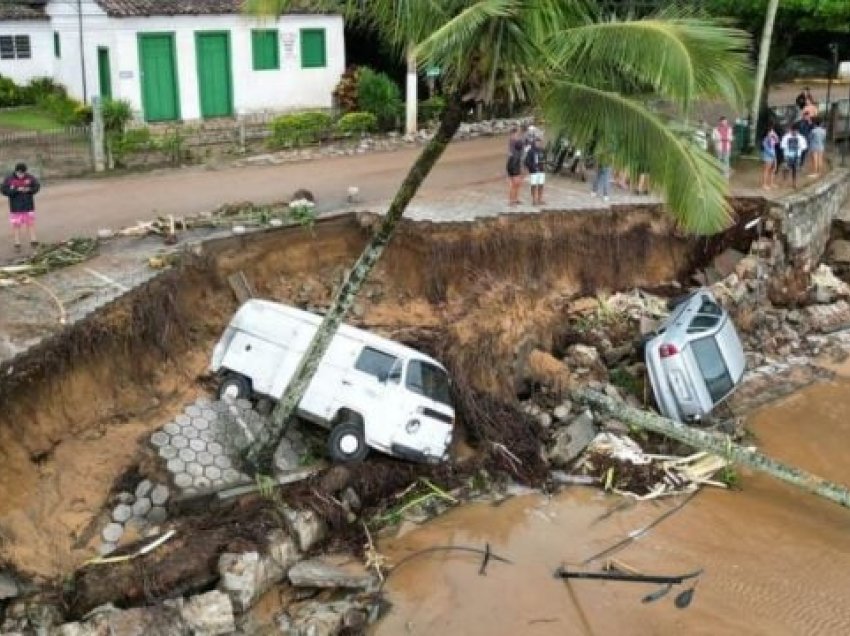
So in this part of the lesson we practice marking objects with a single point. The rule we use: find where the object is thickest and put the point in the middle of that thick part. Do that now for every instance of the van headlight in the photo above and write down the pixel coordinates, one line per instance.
(412, 426)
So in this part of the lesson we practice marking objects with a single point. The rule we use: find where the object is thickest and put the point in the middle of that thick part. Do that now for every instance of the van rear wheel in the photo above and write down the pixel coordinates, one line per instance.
(346, 442)
(234, 387)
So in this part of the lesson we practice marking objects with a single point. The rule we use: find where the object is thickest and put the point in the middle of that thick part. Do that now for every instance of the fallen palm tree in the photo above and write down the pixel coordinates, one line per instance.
(722, 446)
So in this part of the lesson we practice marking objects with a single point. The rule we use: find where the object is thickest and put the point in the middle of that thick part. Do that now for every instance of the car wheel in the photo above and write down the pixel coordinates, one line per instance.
(234, 387)
(346, 442)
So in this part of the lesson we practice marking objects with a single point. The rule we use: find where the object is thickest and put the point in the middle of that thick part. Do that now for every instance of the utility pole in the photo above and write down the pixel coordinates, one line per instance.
(761, 70)
(82, 50)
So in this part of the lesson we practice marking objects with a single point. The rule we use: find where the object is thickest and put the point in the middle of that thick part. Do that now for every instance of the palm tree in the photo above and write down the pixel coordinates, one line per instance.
(560, 54)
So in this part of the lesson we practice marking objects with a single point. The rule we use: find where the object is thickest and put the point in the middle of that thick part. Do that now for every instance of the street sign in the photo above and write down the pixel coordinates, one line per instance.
(433, 71)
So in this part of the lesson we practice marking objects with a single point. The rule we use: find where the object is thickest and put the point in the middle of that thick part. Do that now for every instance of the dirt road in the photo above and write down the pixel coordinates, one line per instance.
(82, 206)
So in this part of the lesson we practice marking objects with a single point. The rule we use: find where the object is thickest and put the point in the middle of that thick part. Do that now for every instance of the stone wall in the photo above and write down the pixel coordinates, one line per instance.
(804, 219)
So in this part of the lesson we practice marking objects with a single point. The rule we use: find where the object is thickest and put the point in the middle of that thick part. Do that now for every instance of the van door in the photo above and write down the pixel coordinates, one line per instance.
(254, 357)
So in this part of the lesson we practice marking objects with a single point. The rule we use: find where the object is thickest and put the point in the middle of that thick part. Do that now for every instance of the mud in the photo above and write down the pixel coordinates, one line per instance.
(77, 409)
(776, 562)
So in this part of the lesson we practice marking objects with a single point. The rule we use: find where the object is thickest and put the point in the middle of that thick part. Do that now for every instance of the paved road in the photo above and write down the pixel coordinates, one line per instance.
(82, 206)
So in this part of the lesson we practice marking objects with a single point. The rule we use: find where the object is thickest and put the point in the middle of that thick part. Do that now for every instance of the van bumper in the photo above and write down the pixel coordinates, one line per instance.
(411, 454)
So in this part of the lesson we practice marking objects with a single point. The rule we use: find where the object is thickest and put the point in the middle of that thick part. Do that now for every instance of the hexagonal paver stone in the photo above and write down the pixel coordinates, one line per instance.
(160, 438)
(106, 548)
(172, 428)
(121, 513)
(208, 436)
(202, 483)
(190, 432)
(208, 414)
(183, 420)
(231, 476)
(144, 488)
(203, 400)
(219, 406)
(175, 465)
(194, 469)
(197, 445)
(187, 455)
(223, 462)
(112, 532)
(168, 452)
(183, 480)
(212, 472)
(215, 448)
(178, 441)
(205, 459)
(193, 410)
(141, 507)
(125, 497)
(157, 514)
(159, 495)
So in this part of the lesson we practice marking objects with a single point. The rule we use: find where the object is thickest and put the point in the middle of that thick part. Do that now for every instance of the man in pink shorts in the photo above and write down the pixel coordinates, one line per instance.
(21, 187)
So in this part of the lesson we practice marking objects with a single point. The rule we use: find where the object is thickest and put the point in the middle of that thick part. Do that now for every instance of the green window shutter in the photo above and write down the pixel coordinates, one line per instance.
(57, 45)
(313, 53)
(264, 46)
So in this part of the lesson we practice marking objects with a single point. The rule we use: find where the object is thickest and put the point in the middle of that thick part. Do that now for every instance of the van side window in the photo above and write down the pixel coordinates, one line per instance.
(713, 368)
(375, 363)
(428, 380)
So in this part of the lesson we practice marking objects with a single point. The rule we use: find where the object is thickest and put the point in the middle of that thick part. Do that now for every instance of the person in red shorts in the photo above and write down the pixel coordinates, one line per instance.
(20, 187)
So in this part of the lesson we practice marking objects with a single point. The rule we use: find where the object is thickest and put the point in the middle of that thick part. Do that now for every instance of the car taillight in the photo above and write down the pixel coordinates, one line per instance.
(667, 350)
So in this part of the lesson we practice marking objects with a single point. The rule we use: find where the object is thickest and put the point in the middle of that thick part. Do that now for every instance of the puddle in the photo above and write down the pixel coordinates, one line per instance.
(776, 561)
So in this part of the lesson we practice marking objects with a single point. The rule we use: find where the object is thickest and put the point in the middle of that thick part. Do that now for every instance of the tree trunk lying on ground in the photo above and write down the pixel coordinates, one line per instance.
(711, 443)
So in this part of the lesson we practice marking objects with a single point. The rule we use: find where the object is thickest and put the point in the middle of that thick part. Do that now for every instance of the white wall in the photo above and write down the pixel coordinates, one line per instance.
(41, 45)
(289, 88)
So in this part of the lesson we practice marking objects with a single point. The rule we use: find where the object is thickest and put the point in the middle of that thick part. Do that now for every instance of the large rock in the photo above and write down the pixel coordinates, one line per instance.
(246, 577)
(571, 440)
(324, 619)
(827, 287)
(318, 573)
(828, 318)
(148, 621)
(726, 262)
(583, 355)
(307, 527)
(209, 614)
(8, 586)
(839, 252)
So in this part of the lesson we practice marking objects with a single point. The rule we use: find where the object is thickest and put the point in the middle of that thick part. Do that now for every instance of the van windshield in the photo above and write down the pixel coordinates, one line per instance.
(428, 380)
(713, 368)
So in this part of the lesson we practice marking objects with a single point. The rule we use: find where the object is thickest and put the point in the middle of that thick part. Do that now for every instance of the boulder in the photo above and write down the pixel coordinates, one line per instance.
(246, 577)
(307, 527)
(8, 586)
(209, 614)
(827, 287)
(571, 440)
(839, 252)
(562, 411)
(318, 573)
(324, 619)
(584, 355)
(726, 262)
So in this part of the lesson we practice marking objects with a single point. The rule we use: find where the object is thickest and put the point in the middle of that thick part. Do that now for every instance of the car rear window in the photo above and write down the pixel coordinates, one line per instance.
(374, 362)
(712, 367)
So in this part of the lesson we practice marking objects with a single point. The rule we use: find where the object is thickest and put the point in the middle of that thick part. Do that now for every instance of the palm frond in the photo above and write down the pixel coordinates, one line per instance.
(682, 59)
(638, 140)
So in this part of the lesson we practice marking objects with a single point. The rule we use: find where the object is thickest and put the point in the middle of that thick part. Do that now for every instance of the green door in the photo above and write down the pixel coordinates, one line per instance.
(104, 72)
(213, 53)
(159, 77)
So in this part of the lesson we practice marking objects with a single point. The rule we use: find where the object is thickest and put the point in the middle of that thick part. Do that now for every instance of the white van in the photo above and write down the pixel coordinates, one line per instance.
(369, 391)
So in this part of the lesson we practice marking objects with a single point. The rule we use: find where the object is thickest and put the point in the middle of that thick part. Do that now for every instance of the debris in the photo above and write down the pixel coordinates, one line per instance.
(726, 262)
(210, 614)
(8, 586)
(827, 287)
(683, 599)
(150, 547)
(247, 576)
(571, 440)
(241, 287)
(318, 573)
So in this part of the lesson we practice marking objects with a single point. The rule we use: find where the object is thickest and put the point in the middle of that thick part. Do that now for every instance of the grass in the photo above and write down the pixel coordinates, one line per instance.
(29, 118)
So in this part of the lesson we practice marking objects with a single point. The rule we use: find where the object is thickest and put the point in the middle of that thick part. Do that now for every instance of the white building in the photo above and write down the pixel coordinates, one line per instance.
(179, 59)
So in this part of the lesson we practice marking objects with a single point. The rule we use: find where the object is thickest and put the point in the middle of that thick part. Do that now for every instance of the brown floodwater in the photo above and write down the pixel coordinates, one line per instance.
(776, 561)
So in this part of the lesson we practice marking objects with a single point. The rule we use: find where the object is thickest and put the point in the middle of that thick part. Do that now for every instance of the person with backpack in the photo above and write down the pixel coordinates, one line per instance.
(535, 162)
(723, 137)
(793, 146)
(21, 187)
(768, 158)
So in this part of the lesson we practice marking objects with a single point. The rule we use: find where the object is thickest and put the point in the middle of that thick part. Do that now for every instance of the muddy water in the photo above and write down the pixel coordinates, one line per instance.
(776, 561)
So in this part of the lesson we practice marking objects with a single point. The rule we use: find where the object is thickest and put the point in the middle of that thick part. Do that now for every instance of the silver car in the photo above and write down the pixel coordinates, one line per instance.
(695, 358)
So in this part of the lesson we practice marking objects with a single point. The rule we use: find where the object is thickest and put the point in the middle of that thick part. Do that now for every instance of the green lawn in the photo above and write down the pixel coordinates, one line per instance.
(27, 118)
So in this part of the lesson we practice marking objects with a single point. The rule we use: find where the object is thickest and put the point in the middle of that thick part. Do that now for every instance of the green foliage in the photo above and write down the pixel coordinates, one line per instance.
(621, 378)
(11, 94)
(67, 111)
(378, 94)
(357, 123)
(122, 144)
(299, 128)
(345, 92)
(41, 87)
(302, 212)
(116, 114)
(430, 109)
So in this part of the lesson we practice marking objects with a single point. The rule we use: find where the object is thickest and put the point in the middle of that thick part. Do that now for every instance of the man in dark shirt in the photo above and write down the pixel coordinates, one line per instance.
(535, 161)
(20, 187)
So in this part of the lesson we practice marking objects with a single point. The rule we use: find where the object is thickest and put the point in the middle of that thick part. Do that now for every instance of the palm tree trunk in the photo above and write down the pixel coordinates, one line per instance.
(411, 98)
(761, 70)
(701, 440)
(260, 457)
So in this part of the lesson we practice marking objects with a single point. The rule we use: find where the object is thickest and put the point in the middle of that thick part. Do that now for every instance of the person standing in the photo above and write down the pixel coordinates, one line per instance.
(768, 158)
(514, 165)
(793, 146)
(535, 162)
(805, 126)
(21, 187)
(817, 145)
(723, 136)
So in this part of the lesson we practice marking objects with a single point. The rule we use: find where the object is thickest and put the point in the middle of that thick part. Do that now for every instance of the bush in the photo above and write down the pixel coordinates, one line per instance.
(345, 92)
(357, 123)
(298, 128)
(10, 93)
(378, 94)
(41, 87)
(116, 114)
(121, 144)
(431, 109)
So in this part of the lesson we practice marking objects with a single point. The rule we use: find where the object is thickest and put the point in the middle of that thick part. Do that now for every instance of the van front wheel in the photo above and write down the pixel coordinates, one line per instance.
(234, 387)
(346, 443)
